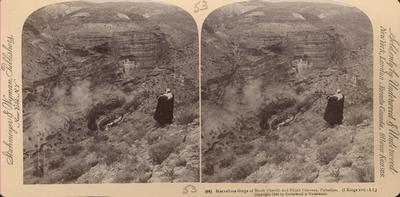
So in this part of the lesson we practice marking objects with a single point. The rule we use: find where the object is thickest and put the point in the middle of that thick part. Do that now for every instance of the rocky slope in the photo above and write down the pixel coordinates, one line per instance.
(267, 68)
(92, 73)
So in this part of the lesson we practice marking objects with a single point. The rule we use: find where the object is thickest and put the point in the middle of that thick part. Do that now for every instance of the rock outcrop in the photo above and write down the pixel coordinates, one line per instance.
(321, 48)
(91, 78)
(265, 76)
(145, 48)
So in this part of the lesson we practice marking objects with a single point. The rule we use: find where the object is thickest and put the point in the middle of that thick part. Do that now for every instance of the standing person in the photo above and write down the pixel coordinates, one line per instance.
(165, 108)
(334, 109)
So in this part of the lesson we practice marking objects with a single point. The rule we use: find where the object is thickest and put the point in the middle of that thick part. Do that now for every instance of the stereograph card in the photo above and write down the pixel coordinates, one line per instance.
(200, 98)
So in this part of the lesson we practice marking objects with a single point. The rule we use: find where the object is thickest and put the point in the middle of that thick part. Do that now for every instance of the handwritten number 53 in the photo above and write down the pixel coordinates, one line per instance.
(201, 5)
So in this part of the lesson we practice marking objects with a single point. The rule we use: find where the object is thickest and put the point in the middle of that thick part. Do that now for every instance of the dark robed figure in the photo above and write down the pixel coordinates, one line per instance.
(334, 109)
(165, 108)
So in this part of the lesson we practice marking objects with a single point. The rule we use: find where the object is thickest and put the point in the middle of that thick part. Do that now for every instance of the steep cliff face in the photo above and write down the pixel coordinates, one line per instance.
(321, 48)
(145, 48)
(266, 71)
(92, 73)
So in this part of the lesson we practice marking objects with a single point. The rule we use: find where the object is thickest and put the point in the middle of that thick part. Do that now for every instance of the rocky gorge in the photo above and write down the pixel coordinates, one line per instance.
(92, 73)
(267, 69)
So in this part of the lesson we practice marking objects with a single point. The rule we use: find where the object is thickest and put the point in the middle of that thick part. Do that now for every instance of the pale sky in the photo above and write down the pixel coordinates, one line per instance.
(273, 1)
(102, 1)
(315, 1)
(105, 1)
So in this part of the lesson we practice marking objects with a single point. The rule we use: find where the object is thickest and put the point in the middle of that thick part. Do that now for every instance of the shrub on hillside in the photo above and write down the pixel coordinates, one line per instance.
(292, 176)
(93, 147)
(100, 138)
(160, 151)
(135, 134)
(208, 168)
(326, 153)
(111, 155)
(133, 172)
(357, 116)
(347, 163)
(304, 135)
(152, 137)
(56, 163)
(242, 170)
(72, 150)
(364, 174)
(38, 171)
(186, 116)
(73, 172)
(244, 148)
(226, 161)
(276, 152)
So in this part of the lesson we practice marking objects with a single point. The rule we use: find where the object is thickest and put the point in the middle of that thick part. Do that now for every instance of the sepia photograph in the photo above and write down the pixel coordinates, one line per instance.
(271, 98)
(110, 94)
(286, 89)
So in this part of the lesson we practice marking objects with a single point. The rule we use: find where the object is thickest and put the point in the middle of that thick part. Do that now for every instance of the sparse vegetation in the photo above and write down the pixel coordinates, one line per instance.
(181, 162)
(160, 151)
(38, 171)
(347, 163)
(93, 147)
(106, 152)
(111, 154)
(310, 173)
(208, 168)
(133, 172)
(292, 175)
(72, 150)
(152, 137)
(100, 138)
(242, 170)
(135, 134)
(73, 172)
(186, 116)
(357, 116)
(94, 106)
(301, 137)
(242, 149)
(326, 153)
(266, 101)
(226, 160)
(56, 163)
(363, 174)
(335, 173)
(276, 152)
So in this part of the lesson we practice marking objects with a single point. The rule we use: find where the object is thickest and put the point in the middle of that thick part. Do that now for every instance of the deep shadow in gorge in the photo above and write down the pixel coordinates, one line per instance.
(267, 70)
